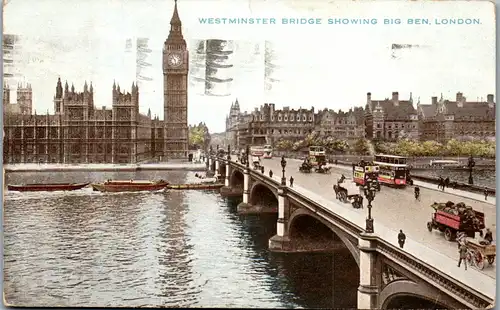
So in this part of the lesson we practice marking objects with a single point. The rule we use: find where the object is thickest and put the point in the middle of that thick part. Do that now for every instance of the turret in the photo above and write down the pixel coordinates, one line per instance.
(59, 89)
(6, 94)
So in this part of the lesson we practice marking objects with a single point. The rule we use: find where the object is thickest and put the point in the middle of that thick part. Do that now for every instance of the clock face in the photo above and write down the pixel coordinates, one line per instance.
(174, 59)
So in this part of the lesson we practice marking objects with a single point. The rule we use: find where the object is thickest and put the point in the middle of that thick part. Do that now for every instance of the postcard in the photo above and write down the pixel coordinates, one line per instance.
(250, 153)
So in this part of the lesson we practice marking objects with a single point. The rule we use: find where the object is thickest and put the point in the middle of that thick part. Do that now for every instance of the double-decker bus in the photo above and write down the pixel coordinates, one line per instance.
(268, 151)
(393, 170)
(317, 155)
(364, 171)
(257, 151)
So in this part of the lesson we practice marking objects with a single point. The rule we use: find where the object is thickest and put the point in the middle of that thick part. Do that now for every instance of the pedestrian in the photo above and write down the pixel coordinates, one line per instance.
(262, 169)
(291, 181)
(401, 238)
(270, 173)
(488, 236)
(463, 254)
(447, 182)
(485, 193)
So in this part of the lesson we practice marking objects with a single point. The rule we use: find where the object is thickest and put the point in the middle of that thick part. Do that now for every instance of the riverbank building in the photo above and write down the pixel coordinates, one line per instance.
(79, 132)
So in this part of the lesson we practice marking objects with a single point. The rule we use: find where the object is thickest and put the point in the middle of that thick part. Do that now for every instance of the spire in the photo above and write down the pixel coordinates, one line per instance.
(149, 113)
(411, 98)
(114, 84)
(66, 87)
(59, 89)
(175, 21)
(72, 88)
(85, 87)
(91, 88)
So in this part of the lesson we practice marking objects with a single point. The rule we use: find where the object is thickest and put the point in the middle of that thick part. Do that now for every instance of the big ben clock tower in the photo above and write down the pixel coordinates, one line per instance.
(175, 83)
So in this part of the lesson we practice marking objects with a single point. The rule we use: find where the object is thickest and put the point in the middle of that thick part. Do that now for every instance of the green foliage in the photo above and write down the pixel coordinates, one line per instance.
(361, 147)
(453, 147)
(199, 137)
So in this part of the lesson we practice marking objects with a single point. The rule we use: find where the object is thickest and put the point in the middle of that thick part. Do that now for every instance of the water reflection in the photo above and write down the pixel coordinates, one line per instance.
(175, 249)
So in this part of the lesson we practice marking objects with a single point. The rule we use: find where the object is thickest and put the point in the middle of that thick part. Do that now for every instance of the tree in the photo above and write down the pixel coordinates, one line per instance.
(199, 137)
(361, 147)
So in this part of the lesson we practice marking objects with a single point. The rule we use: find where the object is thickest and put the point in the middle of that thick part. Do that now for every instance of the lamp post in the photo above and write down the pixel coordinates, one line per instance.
(471, 163)
(247, 153)
(228, 153)
(283, 166)
(369, 191)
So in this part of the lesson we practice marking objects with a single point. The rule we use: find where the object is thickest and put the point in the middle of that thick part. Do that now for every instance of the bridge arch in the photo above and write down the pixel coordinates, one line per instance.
(260, 194)
(407, 294)
(236, 179)
(302, 214)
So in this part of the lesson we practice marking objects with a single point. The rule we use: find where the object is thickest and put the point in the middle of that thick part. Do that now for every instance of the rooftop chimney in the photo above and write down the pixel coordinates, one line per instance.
(395, 98)
(491, 100)
(434, 100)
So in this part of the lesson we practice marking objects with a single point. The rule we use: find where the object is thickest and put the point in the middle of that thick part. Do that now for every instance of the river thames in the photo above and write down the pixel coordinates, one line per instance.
(173, 249)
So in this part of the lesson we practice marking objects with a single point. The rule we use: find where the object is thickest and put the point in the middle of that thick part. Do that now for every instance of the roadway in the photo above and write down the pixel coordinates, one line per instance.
(394, 208)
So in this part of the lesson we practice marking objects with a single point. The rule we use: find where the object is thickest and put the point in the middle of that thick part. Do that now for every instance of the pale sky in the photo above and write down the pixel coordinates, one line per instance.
(331, 66)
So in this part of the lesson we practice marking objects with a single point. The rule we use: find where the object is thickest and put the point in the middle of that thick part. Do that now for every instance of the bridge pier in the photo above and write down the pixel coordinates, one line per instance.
(227, 190)
(217, 167)
(281, 241)
(368, 289)
(245, 206)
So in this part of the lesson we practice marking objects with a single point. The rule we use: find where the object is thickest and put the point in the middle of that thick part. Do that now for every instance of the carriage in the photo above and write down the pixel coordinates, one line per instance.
(256, 163)
(478, 252)
(348, 191)
(305, 167)
(323, 169)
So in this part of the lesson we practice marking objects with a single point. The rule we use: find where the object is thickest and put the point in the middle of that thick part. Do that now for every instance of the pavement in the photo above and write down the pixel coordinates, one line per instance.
(395, 209)
(104, 167)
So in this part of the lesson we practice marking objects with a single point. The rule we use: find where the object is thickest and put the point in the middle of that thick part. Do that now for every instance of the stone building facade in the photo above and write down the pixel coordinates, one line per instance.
(443, 120)
(24, 104)
(266, 125)
(390, 119)
(78, 132)
(348, 125)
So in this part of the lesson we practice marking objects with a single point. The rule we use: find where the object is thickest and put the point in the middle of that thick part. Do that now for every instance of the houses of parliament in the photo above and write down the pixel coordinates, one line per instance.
(79, 132)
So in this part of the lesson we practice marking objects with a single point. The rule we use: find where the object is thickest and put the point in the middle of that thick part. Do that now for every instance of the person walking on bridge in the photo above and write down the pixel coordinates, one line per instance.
(485, 193)
(271, 174)
(291, 181)
(462, 250)
(401, 238)
(417, 193)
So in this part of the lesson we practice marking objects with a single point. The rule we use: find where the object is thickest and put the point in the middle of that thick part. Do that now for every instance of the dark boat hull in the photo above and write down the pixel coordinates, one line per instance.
(46, 187)
(199, 186)
(116, 188)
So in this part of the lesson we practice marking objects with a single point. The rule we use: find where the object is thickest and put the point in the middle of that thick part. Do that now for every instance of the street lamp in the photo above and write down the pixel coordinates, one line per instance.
(211, 150)
(471, 163)
(228, 152)
(283, 165)
(247, 153)
(369, 191)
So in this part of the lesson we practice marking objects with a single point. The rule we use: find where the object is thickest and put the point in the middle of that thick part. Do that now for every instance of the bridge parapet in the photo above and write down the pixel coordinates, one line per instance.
(385, 269)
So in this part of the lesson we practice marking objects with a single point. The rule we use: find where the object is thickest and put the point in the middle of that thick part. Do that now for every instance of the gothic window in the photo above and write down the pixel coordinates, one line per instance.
(272, 118)
(286, 118)
(310, 118)
(40, 133)
(292, 117)
(378, 126)
(279, 118)
(303, 118)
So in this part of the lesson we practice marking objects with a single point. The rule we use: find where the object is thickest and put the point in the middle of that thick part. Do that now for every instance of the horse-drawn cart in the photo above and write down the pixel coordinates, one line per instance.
(348, 191)
(478, 252)
(305, 167)
(323, 169)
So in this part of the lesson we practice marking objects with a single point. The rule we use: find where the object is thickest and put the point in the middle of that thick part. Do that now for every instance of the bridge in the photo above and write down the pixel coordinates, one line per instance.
(311, 219)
